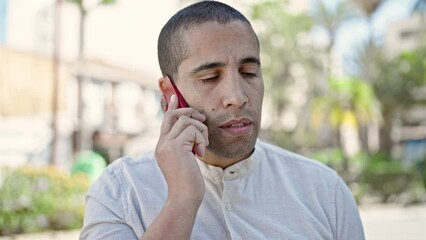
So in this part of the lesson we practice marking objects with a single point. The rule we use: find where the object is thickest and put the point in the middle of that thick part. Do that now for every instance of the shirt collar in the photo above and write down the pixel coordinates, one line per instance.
(237, 170)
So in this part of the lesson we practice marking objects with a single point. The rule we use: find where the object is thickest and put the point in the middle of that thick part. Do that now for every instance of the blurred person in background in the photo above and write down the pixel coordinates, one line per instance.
(210, 177)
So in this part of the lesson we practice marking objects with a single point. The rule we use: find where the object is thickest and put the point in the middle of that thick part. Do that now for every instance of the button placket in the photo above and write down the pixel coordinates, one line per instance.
(227, 203)
(228, 206)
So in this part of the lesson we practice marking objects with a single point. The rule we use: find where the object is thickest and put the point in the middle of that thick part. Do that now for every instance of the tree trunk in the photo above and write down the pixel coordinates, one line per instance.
(385, 140)
(363, 138)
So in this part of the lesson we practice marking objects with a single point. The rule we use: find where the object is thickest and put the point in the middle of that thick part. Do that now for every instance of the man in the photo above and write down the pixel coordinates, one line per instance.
(210, 178)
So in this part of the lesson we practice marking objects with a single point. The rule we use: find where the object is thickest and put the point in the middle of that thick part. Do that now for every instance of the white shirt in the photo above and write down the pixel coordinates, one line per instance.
(274, 194)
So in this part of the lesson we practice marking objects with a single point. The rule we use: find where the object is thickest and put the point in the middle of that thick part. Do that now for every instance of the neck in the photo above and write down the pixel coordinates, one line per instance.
(222, 162)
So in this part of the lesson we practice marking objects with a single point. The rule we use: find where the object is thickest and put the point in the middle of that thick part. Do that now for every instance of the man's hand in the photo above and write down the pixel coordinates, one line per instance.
(182, 131)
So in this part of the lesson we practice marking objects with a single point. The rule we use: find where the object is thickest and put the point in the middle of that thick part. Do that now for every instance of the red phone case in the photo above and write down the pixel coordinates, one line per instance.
(182, 102)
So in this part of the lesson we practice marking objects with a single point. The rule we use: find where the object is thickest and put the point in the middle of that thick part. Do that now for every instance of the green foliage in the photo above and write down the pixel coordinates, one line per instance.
(395, 82)
(378, 175)
(332, 157)
(335, 159)
(385, 176)
(284, 47)
(348, 96)
(106, 2)
(332, 18)
(414, 66)
(396, 78)
(39, 199)
(420, 166)
(75, 1)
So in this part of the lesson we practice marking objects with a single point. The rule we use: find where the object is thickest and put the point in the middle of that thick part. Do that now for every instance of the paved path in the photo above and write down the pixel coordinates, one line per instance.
(391, 222)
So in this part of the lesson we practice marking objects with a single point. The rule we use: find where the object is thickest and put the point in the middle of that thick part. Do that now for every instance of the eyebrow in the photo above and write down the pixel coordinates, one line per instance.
(250, 60)
(210, 65)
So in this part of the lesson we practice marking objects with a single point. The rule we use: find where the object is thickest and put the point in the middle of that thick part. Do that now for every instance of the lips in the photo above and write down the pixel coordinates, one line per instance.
(237, 127)
(237, 123)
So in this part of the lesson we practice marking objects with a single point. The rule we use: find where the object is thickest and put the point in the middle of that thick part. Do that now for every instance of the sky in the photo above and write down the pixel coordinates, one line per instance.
(354, 33)
(2, 20)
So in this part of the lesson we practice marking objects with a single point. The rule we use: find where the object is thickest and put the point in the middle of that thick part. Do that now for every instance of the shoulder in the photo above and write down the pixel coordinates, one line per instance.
(116, 177)
(275, 153)
(295, 164)
(128, 164)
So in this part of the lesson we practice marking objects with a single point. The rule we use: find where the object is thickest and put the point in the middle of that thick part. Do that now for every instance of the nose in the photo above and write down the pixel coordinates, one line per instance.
(233, 92)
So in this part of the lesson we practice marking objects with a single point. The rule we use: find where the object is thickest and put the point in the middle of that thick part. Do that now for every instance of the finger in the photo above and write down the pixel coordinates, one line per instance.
(173, 103)
(192, 136)
(183, 122)
(190, 112)
(171, 116)
(200, 146)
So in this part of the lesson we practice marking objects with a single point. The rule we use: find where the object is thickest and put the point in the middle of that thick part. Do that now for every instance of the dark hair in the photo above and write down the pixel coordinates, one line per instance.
(172, 49)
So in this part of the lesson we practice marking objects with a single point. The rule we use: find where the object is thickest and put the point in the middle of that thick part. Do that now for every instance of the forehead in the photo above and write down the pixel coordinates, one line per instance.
(213, 41)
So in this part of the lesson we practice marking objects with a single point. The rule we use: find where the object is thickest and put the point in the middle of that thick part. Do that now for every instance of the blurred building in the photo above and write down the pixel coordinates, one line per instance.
(406, 35)
(120, 98)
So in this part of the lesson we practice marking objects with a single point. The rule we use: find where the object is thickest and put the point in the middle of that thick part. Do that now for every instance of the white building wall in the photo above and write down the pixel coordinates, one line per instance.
(404, 35)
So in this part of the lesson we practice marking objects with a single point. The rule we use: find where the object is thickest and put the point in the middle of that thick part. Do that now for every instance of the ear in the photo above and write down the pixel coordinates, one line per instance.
(166, 88)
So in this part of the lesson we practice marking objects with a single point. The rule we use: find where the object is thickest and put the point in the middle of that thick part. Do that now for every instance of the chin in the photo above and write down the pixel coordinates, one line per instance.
(237, 149)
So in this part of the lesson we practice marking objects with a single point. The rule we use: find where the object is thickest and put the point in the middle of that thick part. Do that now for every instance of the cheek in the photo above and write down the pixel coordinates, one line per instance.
(201, 102)
(256, 92)
(205, 99)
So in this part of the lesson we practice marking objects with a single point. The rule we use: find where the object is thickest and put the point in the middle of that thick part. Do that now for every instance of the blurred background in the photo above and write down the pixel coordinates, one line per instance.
(345, 84)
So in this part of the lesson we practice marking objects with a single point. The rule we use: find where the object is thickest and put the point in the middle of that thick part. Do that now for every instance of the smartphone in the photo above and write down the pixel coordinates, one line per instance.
(181, 100)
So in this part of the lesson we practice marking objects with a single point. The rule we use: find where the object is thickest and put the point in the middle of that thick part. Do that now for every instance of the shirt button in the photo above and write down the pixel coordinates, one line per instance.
(228, 207)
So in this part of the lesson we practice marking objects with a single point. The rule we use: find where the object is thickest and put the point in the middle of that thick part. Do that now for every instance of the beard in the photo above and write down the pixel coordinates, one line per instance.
(232, 147)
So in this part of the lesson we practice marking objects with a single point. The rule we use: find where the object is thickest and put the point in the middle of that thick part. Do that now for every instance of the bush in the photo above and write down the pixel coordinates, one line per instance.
(386, 177)
(332, 157)
(40, 199)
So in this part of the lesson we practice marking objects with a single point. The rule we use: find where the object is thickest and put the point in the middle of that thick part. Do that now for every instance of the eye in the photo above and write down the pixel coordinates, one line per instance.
(210, 79)
(249, 74)
(249, 70)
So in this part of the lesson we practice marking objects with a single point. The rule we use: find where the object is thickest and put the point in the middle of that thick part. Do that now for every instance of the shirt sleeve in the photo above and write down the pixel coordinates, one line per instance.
(105, 208)
(348, 222)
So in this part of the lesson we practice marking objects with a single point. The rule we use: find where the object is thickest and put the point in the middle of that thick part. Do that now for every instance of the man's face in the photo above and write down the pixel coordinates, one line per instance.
(221, 77)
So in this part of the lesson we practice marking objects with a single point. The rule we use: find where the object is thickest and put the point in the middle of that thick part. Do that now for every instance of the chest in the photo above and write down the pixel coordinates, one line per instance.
(252, 209)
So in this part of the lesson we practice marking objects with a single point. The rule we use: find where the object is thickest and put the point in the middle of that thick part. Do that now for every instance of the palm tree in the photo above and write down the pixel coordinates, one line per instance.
(369, 7)
(331, 18)
(282, 37)
(349, 101)
(394, 81)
